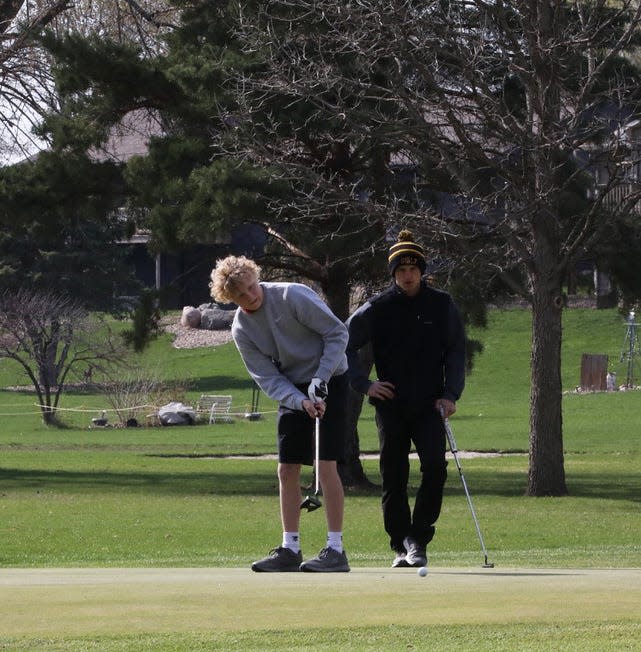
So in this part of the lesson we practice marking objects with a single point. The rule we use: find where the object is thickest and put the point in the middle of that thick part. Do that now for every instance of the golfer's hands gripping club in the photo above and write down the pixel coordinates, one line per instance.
(382, 390)
(317, 392)
(445, 407)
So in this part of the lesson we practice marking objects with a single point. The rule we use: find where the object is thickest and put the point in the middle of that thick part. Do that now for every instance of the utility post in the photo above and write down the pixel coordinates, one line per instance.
(630, 347)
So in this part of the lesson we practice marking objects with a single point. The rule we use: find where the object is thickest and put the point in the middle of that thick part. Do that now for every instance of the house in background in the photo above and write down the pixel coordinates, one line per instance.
(626, 136)
(182, 276)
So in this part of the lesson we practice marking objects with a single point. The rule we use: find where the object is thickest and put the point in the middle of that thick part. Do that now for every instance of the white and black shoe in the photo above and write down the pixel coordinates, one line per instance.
(416, 555)
(400, 561)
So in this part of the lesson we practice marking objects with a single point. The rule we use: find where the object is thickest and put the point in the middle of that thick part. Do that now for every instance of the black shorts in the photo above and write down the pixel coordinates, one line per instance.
(296, 429)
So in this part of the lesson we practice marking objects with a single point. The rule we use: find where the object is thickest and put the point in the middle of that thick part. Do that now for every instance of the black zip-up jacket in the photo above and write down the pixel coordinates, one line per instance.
(418, 345)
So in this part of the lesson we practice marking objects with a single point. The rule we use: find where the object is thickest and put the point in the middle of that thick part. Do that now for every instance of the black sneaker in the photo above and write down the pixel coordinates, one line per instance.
(328, 561)
(416, 555)
(400, 561)
(279, 560)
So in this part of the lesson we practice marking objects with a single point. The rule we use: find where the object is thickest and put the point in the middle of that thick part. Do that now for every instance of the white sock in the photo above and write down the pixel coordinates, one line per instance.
(291, 540)
(335, 540)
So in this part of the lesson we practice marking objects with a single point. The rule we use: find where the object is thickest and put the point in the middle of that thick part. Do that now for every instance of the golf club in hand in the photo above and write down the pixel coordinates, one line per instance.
(454, 451)
(317, 392)
(313, 502)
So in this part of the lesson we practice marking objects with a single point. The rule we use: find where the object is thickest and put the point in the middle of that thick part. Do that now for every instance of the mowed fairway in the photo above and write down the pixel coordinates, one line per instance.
(118, 540)
(61, 603)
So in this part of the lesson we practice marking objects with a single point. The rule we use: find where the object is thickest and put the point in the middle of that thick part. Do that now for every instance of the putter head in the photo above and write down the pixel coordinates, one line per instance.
(311, 503)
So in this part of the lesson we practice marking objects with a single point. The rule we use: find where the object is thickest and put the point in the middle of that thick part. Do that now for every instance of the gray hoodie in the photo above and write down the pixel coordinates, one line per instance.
(292, 338)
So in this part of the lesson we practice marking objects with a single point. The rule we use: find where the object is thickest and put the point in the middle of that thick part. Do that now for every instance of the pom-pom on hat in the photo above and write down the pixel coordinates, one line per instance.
(406, 252)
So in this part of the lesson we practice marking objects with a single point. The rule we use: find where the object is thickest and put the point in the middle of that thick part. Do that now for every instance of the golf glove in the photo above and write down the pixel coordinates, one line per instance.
(317, 390)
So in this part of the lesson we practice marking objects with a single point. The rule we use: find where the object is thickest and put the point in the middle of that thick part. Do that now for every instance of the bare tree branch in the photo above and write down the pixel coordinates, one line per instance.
(51, 338)
(26, 85)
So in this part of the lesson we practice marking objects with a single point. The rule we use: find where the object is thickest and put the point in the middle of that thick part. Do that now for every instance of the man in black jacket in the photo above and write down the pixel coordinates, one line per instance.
(418, 343)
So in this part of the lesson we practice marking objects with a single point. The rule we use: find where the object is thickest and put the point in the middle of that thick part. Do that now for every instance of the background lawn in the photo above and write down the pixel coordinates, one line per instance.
(492, 415)
(141, 499)
(78, 496)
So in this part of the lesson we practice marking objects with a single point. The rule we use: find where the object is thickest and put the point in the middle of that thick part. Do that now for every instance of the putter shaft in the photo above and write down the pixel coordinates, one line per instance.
(317, 453)
(454, 451)
(312, 503)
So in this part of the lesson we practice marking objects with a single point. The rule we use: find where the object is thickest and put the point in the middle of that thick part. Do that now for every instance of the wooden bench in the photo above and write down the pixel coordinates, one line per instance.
(215, 408)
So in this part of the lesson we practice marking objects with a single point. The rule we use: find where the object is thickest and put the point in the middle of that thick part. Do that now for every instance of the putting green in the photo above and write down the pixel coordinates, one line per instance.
(79, 601)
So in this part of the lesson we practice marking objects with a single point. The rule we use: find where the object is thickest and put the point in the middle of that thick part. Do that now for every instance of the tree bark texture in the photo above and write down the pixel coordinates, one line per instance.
(546, 475)
(337, 293)
(351, 471)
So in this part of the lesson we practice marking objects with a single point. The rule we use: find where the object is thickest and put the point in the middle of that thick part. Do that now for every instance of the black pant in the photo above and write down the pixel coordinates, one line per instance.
(296, 428)
(397, 429)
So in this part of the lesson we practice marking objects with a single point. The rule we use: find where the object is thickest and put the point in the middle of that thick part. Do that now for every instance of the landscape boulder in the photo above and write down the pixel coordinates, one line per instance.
(190, 317)
(215, 318)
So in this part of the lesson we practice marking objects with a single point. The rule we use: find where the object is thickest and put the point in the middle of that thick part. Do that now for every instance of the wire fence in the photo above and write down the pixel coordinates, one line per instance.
(93, 416)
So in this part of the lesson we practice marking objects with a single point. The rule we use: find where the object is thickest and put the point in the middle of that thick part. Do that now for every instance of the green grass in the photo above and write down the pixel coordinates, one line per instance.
(366, 609)
(148, 496)
(131, 509)
(493, 413)
(166, 497)
(580, 637)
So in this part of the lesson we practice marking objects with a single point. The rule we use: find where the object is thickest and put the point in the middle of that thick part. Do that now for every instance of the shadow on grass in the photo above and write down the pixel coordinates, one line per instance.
(625, 486)
(254, 478)
(580, 485)
(220, 383)
(258, 482)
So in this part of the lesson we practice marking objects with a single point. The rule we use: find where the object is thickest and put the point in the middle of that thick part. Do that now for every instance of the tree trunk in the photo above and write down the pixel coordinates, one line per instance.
(351, 471)
(46, 407)
(337, 293)
(48, 416)
(546, 471)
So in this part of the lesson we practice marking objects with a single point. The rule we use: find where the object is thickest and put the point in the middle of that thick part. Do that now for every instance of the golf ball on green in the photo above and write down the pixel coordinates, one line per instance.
(422, 571)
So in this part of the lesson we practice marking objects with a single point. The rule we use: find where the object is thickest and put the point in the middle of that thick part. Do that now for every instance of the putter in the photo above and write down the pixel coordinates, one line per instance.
(454, 451)
(313, 502)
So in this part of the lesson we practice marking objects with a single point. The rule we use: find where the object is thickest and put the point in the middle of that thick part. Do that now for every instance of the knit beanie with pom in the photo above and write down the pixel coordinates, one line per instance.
(406, 252)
